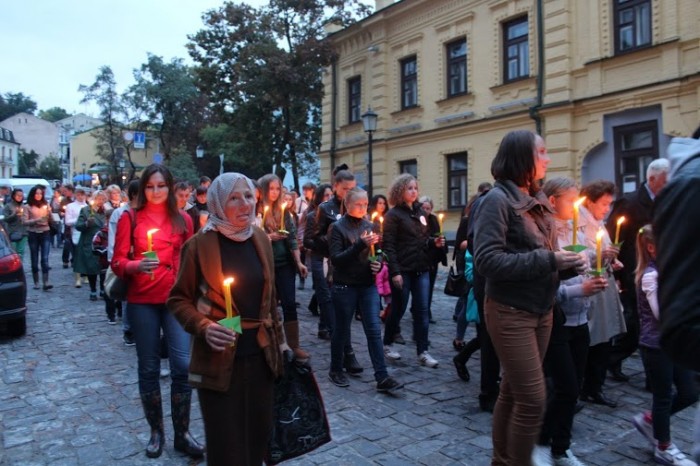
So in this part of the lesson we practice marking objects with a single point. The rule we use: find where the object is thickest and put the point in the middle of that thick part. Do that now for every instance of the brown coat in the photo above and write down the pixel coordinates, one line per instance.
(197, 299)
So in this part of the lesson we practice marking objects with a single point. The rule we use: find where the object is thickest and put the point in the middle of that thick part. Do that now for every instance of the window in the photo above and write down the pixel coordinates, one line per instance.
(354, 99)
(409, 166)
(516, 56)
(409, 82)
(636, 146)
(457, 68)
(632, 24)
(457, 180)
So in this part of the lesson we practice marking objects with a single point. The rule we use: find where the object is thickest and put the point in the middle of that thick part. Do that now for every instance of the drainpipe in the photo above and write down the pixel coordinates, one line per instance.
(535, 109)
(334, 108)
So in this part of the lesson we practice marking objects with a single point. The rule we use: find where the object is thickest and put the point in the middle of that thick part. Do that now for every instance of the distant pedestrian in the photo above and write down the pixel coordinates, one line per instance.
(16, 230)
(91, 220)
(37, 217)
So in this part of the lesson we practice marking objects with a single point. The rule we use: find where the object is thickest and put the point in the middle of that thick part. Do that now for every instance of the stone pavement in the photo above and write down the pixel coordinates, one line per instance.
(69, 396)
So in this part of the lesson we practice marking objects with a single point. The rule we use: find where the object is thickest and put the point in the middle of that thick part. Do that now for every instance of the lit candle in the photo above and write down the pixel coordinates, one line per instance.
(441, 217)
(371, 250)
(599, 249)
(620, 221)
(149, 238)
(577, 204)
(92, 205)
(381, 225)
(267, 207)
(284, 206)
(374, 215)
(227, 297)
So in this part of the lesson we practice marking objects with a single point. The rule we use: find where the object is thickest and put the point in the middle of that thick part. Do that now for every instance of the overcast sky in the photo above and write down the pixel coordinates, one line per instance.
(53, 46)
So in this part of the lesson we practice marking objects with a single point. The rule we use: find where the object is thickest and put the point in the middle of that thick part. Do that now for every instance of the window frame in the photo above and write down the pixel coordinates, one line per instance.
(407, 79)
(352, 105)
(462, 173)
(451, 61)
(623, 155)
(507, 43)
(633, 5)
(404, 164)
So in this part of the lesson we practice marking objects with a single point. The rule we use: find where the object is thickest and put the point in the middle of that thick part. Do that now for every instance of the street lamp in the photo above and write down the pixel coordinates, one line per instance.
(121, 167)
(84, 167)
(200, 152)
(369, 122)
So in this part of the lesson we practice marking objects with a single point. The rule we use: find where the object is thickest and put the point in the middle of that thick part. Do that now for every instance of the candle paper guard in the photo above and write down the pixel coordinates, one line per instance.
(231, 322)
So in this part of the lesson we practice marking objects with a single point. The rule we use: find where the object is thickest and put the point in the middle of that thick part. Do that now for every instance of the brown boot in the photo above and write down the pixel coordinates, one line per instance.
(291, 330)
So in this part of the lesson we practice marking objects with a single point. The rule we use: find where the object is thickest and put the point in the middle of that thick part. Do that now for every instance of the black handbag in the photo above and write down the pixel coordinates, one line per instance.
(456, 283)
(300, 424)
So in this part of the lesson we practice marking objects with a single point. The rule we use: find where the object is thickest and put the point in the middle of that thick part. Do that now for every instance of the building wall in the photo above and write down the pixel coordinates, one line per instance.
(9, 164)
(33, 133)
(588, 89)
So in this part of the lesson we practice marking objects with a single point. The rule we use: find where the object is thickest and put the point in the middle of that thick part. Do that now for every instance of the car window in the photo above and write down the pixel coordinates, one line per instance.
(5, 247)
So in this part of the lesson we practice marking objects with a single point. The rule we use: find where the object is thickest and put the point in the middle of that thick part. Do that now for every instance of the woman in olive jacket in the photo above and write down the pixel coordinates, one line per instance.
(234, 373)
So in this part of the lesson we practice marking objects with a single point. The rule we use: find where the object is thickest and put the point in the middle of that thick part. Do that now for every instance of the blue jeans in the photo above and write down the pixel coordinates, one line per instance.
(147, 320)
(346, 300)
(285, 278)
(663, 375)
(40, 241)
(417, 286)
(323, 294)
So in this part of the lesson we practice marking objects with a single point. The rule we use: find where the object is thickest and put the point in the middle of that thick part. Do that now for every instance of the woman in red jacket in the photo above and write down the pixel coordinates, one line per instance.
(161, 228)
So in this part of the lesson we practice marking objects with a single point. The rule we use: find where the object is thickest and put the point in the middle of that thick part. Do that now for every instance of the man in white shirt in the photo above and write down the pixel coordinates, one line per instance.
(70, 217)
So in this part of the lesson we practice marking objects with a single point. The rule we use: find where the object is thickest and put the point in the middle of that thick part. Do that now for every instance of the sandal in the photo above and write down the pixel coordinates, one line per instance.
(458, 344)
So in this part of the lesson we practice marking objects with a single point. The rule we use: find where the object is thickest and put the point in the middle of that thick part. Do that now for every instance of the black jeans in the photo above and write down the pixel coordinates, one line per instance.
(490, 365)
(624, 345)
(596, 368)
(67, 245)
(564, 365)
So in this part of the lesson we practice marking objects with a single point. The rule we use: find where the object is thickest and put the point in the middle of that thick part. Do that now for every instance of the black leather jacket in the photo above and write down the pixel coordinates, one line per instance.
(407, 240)
(326, 214)
(348, 253)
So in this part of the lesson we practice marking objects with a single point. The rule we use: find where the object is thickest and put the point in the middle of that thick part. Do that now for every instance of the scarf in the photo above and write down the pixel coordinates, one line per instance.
(217, 196)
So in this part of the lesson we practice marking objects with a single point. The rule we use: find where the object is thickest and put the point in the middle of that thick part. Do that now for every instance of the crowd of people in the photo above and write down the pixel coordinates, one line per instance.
(561, 279)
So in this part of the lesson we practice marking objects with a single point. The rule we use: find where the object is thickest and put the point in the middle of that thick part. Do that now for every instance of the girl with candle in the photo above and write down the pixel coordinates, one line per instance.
(16, 230)
(149, 281)
(606, 319)
(280, 228)
(36, 215)
(516, 250)
(90, 221)
(233, 373)
(377, 205)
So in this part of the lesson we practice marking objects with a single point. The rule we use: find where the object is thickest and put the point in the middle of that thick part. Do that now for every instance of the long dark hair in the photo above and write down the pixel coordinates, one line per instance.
(33, 202)
(174, 215)
(375, 200)
(319, 192)
(515, 159)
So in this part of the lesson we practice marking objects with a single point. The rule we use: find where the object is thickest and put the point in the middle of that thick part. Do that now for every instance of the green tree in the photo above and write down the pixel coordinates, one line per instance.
(182, 166)
(27, 162)
(13, 103)
(50, 168)
(262, 71)
(53, 114)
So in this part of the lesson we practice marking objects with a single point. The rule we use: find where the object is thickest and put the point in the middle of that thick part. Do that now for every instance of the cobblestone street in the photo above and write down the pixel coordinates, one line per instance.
(69, 396)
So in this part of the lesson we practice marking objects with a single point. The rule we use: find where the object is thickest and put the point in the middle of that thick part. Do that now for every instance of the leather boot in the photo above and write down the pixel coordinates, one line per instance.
(45, 281)
(35, 276)
(184, 442)
(291, 330)
(153, 409)
(351, 365)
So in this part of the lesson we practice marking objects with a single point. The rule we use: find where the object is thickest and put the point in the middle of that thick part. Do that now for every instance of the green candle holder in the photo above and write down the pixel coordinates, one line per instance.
(618, 245)
(577, 248)
(596, 272)
(232, 323)
(282, 232)
(150, 255)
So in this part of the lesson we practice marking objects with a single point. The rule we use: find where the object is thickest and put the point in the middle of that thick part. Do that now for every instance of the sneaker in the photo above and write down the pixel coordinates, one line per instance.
(128, 340)
(165, 369)
(541, 456)
(672, 456)
(93, 296)
(388, 385)
(65, 265)
(567, 459)
(427, 360)
(112, 321)
(642, 422)
(391, 353)
(338, 379)
(398, 339)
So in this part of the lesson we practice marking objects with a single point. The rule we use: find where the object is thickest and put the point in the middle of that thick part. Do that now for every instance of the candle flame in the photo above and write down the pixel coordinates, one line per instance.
(374, 215)
(441, 216)
(150, 232)
(228, 281)
(267, 207)
(621, 220)
(381, 219)
(599, 235)
(578, 203)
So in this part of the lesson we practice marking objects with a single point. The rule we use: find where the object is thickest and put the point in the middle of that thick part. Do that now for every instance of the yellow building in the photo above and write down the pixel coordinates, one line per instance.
(606, 82)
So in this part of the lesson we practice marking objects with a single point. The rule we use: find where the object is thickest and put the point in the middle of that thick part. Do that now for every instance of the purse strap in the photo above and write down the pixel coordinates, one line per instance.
(132, 220)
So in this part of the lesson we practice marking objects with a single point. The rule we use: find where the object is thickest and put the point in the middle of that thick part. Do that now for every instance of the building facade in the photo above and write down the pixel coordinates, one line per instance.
(9, 148)
(606, 82)
(34, 134)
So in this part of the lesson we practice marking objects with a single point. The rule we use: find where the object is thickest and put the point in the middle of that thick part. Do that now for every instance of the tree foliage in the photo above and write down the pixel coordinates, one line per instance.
(53, 114)
(50, 168)
(182, 166)
(262, 70)
(12, 103)
(27, 162)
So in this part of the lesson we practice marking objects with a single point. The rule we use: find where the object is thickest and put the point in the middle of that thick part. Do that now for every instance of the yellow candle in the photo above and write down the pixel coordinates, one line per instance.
(577, 204)
(284, 206)
(149, 238)
(599, 249)
(441, 217)
(620, 221)
(381, 225)
(374, 215)
(227, 297)
(267, 207)
(92, 205)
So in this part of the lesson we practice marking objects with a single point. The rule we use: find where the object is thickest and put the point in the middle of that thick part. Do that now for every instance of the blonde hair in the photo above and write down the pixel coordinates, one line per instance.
(99, 193)
(398, 188)
(645, 237)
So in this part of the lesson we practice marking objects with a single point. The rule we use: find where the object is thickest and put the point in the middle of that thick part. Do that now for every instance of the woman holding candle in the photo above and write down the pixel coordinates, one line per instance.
(516, 251)
(234, 372)
(36, 216)
(606, 319)
(90, 221)
(16, 230)
(280, 228)
(149, 281)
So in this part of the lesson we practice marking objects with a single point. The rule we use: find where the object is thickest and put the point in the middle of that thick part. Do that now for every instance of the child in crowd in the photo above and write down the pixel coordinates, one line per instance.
(384, 289)
(663, 373)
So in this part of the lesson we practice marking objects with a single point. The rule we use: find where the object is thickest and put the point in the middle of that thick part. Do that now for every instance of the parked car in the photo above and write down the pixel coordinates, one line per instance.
(13, 289)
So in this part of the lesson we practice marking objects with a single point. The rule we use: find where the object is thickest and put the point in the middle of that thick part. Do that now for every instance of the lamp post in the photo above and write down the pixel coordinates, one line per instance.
(200, 152)
(121, 167)
(84, 167)
(369, 122)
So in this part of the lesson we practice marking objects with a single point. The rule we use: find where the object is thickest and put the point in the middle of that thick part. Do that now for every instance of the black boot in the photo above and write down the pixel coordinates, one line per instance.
(45, 280)
(351, 365)
(184, 442)
(35, 277)
(153, 409)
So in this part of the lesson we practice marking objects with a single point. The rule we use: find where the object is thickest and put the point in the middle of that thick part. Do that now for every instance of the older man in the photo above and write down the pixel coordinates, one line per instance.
(637, 208)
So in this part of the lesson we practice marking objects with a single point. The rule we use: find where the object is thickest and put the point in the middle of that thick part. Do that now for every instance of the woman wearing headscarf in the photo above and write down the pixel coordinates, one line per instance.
(233, 372)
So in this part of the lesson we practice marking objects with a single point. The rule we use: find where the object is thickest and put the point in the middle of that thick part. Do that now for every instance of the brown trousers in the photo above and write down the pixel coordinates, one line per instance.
(520, 339)
(238, 423)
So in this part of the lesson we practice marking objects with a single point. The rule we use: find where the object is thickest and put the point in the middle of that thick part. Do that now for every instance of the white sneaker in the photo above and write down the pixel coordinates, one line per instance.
(427, 360)
(541, 456)
(391, 353)
(672, 456)
(568, 459)
(165, 369)
(645, 428)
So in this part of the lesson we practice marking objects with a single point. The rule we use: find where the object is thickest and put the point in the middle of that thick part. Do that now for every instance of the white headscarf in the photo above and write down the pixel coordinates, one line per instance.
(218, 195)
